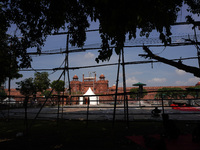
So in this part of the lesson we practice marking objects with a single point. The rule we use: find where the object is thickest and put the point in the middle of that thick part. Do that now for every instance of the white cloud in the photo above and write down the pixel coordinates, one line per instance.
(193, 80)
(134, 73)
(89, 55)
(157, 80)
(190, 81)
(129, 81)
(180, 83)
(180, 72)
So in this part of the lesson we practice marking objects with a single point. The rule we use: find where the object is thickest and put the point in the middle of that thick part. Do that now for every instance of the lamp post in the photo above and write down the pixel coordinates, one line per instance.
(195, 92)
(94, 79)
(140, 94)
(163, 95)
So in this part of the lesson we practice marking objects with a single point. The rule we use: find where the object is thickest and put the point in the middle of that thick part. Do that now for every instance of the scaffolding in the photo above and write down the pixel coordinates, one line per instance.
(179, 40)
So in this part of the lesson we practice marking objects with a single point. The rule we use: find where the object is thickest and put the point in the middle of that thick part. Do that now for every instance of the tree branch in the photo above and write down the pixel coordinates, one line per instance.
(194, 70)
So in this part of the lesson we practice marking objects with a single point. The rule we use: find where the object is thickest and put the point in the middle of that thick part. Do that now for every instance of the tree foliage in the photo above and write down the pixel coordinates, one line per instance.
(26, 87)
(41, 81)
(171, 93)
(59, 86)
(46, 93)
(194, 91)
(122, 17)
(178, 93)
(134, 93)
(2, 94)
(194, 6)
(8, 56)
(31, 86)
(36, 19)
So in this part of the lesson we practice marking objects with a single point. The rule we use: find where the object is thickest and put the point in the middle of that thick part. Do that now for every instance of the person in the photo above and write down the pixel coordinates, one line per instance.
(156, 112)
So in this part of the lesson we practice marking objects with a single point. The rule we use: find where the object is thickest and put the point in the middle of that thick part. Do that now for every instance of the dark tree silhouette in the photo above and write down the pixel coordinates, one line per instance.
(26, 88)
(41, 81)
(194, 70)
(135, 93)
(35, 20)
(59, 86)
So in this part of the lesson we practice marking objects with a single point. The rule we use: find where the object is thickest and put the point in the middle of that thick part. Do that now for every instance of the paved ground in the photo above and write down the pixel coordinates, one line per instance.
(99, 112)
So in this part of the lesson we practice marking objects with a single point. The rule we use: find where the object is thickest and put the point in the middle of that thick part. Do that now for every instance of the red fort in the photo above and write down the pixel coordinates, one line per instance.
(98, 86)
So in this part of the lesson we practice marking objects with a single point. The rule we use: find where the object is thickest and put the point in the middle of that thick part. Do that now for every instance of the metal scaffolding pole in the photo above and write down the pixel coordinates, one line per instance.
(116, 90)
(196, 44)
(66, 59)
(49, 95)
(126, 115)
(67, 62)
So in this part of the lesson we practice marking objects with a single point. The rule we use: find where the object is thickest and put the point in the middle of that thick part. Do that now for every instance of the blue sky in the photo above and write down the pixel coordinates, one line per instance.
(159, 75)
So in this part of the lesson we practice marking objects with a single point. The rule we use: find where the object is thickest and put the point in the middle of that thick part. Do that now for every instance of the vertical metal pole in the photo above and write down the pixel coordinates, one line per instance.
(198, 49)
(70, 100)
(25, 115)
(163, 105)
(138, 96)
(58, 108)
(126, 115)
(8, 97)
(9, 80)
(67, 46)
(93, 85)
(44, 103)
(138, 100)
(116, 90)
(88, 110)
(62, 105)
(67, 62)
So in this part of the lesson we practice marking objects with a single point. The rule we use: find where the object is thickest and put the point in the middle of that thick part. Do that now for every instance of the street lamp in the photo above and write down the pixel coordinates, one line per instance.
(94, 79)
(140, 92)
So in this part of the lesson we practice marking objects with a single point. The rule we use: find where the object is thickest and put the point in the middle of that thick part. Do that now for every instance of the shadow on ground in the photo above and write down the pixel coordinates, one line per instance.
(80, 134)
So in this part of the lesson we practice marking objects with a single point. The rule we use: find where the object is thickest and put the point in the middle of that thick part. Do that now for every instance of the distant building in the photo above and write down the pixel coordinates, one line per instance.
(97, 86)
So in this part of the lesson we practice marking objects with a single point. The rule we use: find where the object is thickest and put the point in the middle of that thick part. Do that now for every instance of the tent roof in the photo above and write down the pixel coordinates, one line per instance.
(11, 99)
(139, 84)
(89, 92)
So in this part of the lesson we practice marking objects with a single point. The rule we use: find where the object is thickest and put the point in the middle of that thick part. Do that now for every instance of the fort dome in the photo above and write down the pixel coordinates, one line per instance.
(102, 76)
(75, 77)
(198, 84)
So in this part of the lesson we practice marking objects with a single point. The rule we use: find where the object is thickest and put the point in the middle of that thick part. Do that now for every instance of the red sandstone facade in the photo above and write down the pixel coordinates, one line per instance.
(101, 87)
(98, 86)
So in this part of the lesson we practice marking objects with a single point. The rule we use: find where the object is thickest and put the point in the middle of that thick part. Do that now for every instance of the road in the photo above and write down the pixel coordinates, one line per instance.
(100, 112)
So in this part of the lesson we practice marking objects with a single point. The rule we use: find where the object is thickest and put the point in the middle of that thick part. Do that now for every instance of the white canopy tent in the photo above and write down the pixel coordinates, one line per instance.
(88, 98)
(9, 101)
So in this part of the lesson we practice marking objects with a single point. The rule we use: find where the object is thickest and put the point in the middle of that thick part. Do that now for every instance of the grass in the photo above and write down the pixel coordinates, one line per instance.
(78, 134)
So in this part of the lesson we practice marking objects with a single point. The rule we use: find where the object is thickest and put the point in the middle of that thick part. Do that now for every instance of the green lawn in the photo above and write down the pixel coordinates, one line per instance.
(79, 134)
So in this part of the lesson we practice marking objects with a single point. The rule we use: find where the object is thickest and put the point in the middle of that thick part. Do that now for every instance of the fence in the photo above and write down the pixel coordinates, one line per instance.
(107, 108)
